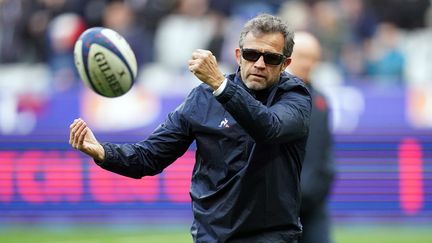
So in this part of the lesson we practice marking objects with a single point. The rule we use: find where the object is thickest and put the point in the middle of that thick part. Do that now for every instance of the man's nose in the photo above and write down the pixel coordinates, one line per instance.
(260, 62)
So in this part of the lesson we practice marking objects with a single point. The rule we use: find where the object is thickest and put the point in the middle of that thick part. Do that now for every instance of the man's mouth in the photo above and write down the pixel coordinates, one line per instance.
(258, 75)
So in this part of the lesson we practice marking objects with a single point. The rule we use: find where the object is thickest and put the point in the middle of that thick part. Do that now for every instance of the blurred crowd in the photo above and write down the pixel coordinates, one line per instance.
(386, 41)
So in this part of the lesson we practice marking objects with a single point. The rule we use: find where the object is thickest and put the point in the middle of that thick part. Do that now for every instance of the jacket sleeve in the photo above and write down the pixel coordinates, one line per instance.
(286, 120)
(169, 141)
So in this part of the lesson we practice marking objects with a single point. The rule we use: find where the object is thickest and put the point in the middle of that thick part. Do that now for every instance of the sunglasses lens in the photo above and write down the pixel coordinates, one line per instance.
(273, 59)
(251, 55)
(269, 58)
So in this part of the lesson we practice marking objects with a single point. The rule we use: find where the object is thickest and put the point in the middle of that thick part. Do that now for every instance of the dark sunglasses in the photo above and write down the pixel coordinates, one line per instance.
(270, 58)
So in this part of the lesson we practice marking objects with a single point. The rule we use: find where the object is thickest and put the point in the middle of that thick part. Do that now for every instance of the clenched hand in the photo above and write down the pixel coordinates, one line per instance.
(204, 65)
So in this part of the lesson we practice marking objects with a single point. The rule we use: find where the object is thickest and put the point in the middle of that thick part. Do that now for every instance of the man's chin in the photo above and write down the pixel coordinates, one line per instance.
(254, 85)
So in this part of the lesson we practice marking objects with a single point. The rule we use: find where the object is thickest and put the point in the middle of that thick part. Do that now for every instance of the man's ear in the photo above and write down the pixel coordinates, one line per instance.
(286, 63)
(238, 56)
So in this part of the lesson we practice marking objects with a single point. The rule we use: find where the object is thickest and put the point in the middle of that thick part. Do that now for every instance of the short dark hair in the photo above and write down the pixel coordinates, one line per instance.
(266, 23)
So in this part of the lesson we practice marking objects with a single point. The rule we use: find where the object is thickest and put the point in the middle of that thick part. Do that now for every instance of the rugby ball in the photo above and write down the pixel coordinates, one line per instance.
(105, 61)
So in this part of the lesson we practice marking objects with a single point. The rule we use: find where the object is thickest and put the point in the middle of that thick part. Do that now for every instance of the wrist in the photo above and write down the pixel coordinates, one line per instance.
(220, 88)
(217, 83)
(100, 153)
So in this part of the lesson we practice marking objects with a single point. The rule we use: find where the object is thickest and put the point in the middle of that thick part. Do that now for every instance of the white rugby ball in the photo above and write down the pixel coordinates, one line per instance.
(105, 61)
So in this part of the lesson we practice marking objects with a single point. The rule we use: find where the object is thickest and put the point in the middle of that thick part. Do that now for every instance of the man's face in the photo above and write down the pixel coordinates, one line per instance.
(258, 75)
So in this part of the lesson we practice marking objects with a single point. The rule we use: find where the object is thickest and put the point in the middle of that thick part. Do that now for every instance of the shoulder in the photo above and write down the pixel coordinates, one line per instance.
(197, 98)
(290, 82)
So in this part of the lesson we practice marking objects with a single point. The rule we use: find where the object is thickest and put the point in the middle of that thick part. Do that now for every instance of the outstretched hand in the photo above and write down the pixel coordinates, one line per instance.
(82, 138)
(204, 66)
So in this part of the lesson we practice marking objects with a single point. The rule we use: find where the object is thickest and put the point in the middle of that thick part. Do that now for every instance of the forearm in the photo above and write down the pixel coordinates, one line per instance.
(149, 157)
(123, 160)
(282, 122)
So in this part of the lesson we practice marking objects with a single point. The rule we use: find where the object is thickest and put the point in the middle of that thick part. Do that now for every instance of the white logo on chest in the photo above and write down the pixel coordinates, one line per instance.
(224, 123)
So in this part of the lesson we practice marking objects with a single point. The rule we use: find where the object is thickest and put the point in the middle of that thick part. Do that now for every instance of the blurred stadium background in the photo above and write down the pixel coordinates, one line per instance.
(376, 73)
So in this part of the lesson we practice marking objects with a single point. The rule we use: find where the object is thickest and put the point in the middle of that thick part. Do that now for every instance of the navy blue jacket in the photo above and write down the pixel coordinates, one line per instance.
(246, 179)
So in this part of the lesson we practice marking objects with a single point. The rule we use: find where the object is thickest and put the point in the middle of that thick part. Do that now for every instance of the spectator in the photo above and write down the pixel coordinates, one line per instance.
(189, 27)
(384, 59)
(120, 17)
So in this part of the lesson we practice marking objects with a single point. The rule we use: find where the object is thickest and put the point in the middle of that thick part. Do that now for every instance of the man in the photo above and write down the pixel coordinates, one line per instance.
(250, 129)
(317, 172)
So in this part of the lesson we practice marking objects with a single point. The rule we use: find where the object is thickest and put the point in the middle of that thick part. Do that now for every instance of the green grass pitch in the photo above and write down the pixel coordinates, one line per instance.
(341, 234)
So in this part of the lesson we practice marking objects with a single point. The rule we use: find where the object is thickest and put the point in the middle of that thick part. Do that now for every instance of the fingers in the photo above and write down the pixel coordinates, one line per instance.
(78, 130)
(72, 129)
(193, 65)
(82, 136)
(201, 54)
(201, 58)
